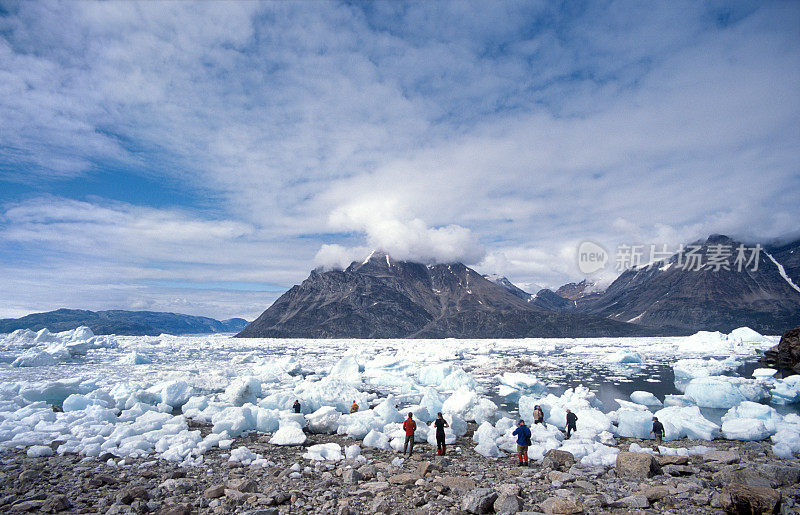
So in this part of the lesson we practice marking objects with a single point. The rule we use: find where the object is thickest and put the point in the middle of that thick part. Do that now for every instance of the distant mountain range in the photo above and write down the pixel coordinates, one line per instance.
(665, 295)
(383, 298)
(136, 323)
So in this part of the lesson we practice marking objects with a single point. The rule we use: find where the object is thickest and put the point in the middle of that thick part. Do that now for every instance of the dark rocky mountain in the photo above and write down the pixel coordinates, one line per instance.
(666, 295)
(550, 301)
(788, 255)
(382, 298)
(575, 291)
(134, 323)
(508, 285)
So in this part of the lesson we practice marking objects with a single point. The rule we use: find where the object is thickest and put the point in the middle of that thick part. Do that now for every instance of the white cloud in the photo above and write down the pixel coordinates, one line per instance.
(501, 134)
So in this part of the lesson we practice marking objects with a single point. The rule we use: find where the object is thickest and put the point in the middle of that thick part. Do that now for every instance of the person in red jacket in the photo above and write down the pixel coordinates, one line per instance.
(410, 427)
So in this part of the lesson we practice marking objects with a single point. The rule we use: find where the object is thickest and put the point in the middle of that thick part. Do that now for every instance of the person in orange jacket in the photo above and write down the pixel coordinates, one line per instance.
(353, 407)
(410, 427)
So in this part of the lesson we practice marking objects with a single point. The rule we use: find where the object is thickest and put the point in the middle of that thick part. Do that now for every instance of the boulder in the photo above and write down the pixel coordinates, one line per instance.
(131, 493)
(560, 505)
(781, 475)
(507, 503)
(672, 459)
(402, 479)
(457, 483)
(213, 492)
(352, 476)
(678, 470)
(741, 499)
(479, 500)
(655, 493)
(636, 465)
(56, 503)
(786, 355)
(726, 457)
(558, 460)
(637, 501)
(745, 476)
(242, 485)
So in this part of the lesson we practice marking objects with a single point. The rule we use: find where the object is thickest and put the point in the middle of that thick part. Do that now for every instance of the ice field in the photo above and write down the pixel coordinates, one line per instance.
(133, 396)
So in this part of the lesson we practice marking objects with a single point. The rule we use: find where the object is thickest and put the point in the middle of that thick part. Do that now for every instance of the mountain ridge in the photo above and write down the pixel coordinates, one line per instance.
(122, 322)
(382, 298)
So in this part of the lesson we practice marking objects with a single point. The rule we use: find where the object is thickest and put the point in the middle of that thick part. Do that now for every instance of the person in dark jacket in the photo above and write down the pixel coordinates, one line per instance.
(410, 427)
(296, 406)
(440, 423)
(658, 430)
(538, 415)
(571, 419)
(523, 434)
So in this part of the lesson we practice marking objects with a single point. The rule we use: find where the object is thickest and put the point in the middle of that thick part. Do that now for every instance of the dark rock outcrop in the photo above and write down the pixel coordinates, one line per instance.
(786, 355)
(382, 298)
(134, 323)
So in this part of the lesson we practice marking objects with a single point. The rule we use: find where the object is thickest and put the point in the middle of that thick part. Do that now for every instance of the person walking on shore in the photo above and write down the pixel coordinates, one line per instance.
(354, 407)
(658, 430)
(523, 434)
(538, 415)
(571, 419)
(440, 423)
(296, 406)
(410, 427)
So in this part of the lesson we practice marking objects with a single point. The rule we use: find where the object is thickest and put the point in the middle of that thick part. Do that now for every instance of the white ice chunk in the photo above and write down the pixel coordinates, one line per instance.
(352, 451)
(681, 422)
(324, 420)
(624, 356)
(38, 451)
(244, 455)
(634, 423)
(243, 390)
(134, 358)
(786, 391)
(645, 398)
(744, 429)
(324, 452)
(724, 391)
(376, 439)
(289, 434)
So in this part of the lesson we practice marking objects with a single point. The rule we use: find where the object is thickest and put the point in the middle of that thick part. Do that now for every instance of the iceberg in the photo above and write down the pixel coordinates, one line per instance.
(645, 398)
(624, 356)
(634, 423)
(724, 391)
(686, 422)
(744, 429)
(786, 391)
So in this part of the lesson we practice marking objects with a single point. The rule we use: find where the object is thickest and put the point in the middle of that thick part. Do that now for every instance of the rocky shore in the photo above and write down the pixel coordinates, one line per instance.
(737, 477)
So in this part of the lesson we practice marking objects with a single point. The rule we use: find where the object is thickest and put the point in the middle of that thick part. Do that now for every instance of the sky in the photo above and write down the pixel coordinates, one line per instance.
(203, 157)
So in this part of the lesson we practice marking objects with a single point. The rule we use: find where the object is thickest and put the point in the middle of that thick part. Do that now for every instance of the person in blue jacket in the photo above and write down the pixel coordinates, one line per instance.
(523, 435)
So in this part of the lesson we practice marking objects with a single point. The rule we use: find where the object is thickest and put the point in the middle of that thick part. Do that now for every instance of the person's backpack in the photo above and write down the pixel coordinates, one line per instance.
(528, 438)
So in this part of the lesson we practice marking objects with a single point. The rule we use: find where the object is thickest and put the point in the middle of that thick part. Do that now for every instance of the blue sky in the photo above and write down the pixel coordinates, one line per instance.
(203, 157)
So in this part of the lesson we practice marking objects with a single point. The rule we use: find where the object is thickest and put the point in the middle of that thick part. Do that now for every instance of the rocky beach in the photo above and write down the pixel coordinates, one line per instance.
(732, 477)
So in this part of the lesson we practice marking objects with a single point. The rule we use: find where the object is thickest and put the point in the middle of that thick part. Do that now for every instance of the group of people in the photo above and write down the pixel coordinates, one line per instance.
(522, 432)
(410, 427)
